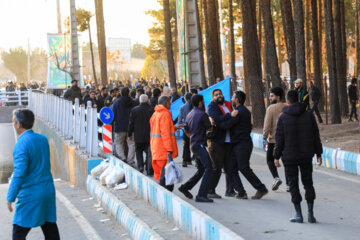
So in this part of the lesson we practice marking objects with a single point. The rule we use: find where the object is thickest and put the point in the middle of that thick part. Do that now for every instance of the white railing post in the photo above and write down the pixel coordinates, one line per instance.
(19, 98)
(30, 100)
(82, 142)
(71, 119)
(76, 116)
(63, 116)
(88, 128)
(95, 143)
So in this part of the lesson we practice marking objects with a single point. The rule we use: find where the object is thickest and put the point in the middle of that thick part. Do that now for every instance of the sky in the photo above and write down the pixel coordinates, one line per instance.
(21, 20)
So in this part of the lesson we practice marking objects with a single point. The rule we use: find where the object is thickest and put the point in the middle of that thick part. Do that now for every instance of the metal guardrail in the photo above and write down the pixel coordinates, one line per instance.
(14, 98)
(73, 122)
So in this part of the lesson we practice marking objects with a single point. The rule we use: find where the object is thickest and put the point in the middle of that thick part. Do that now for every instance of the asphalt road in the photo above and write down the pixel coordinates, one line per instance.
(336, 208)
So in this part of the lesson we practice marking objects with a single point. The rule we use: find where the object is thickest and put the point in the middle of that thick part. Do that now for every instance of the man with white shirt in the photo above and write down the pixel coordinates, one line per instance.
(220, 146)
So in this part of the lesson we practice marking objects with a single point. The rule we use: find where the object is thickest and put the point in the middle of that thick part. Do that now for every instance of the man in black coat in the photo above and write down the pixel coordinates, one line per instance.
(315, 95)
(139, 124)
(353, 99)
(101, 98)
(297, 140)
(73, 92)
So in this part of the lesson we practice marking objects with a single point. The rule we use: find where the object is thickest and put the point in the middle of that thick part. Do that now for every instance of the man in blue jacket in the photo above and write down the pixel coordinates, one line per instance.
(122, 108)
(220, 145)
(297, 141)
(32, 183)
(184, 111)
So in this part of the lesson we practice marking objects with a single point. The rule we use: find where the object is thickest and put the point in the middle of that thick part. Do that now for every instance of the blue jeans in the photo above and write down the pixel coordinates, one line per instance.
(203, 171)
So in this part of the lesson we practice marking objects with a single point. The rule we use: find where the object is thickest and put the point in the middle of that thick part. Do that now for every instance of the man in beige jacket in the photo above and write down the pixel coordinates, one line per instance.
(271, 117)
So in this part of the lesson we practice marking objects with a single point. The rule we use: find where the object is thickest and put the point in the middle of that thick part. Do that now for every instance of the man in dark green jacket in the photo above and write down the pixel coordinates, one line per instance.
(303, 94)
(73, 92)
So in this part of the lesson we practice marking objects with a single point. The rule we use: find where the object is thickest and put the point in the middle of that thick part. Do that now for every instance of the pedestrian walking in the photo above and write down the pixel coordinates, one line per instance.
(242, 148)
(184, 111)
(315, 95)
(162, 136)
(196, 125)
(269, 130)
(220, 145)
(353, 98)
(32, 183)
(73, 92)
(297, 140)
(139, 125)
(121, 109)
(303, 94)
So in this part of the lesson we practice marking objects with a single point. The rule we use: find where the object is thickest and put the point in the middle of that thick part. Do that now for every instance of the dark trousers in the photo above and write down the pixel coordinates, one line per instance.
(50, 230)
(240, 161)
(353, 110)
(186, 150)
(220, 157)
(204, 171)
(270, 160)
(315, 109)
(140, 148)
(292, 172)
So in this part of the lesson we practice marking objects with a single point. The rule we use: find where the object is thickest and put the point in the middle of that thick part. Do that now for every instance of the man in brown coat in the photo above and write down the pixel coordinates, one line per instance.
(271, 117)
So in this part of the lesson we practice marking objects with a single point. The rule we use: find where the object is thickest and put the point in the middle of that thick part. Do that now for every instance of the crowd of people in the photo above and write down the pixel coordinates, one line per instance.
(216, 139)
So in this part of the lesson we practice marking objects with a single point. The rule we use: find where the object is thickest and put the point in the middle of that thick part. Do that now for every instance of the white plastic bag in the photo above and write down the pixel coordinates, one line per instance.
(104, 174)
(117, 175)
(99, 169)
(173, 173)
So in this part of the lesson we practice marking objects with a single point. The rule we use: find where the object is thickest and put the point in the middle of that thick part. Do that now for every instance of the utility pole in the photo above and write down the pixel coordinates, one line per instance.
(28, 63)
(58, 15)
(75, 68)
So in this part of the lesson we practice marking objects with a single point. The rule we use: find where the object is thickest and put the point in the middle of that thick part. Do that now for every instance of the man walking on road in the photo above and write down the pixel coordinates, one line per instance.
(73, 92)
(353, 99)
(297, 140)
(242, 149)
(162, 136)
(184, 111)
(32, 183)
(220, 143)
(271, 117)
(122, 108)
(303, 94)
(315, 95)
(139, 124)
(196, 125)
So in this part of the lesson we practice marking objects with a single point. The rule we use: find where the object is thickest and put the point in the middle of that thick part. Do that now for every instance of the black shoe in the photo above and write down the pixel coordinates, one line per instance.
(184, 165)
(203, 199)
(189, 163)
(311, 218)
(213, 195)
(141, 170)
(185, 192)
(350, 120)
(230, 194)
(260, 194)
(298, 218)
(241, 196)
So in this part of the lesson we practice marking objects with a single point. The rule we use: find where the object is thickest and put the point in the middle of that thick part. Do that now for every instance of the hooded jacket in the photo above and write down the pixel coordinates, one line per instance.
(297, 136)
(122, 108)
(162, 134)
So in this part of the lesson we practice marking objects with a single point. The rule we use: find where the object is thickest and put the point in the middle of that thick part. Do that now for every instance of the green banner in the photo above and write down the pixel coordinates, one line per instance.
(59, 65)
(180, 14)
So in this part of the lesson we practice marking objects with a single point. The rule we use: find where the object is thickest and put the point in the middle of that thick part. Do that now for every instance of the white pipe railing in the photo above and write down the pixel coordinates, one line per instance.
(73, 122)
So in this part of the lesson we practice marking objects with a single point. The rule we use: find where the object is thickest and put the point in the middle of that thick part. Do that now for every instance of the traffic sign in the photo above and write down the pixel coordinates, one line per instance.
(106, 115)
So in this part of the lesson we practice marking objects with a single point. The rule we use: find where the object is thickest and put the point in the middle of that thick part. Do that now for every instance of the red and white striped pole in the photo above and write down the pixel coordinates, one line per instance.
(107, 139)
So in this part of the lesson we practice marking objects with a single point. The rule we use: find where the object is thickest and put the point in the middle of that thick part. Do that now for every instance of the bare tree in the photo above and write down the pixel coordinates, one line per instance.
(168, 42)
(289, 32)
(299, 39)
(330, 53)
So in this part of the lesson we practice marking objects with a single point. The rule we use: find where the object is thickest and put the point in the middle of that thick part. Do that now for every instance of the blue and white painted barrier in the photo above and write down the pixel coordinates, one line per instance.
(126, 217)
(332, 158)
(193, 221)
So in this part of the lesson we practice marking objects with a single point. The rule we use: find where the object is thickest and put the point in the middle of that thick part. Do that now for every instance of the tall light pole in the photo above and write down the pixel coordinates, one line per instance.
(75, 67)
(28, 63)
(58, 15)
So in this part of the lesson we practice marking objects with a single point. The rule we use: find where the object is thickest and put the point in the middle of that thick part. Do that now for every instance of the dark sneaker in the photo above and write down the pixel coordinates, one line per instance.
(230, 194)
(276, 184)
(241, 196)
(186, 192)
(213, 195)
(260, 194)
(203, 199)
